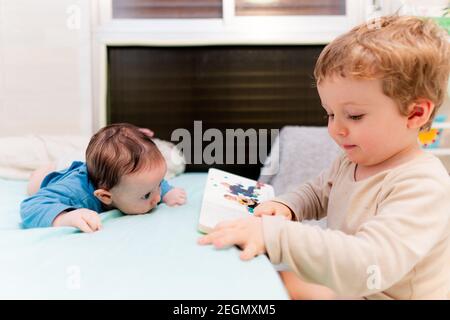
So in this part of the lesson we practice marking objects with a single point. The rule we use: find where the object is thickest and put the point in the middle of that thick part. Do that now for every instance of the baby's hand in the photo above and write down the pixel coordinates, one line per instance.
(247, 233)
(84, 219)
(147, 132)
(273, 208)
(175, 197)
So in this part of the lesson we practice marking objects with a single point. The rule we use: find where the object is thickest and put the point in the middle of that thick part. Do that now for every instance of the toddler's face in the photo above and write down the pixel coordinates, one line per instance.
(139, 192)
(363, 121)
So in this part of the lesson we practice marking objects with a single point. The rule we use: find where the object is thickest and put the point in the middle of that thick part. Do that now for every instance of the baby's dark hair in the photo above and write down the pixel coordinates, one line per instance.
(117, 150)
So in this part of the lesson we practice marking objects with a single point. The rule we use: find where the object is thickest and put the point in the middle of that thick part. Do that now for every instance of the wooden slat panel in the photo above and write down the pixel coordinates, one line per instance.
(226, 87)
(159, 9)
(289, 7)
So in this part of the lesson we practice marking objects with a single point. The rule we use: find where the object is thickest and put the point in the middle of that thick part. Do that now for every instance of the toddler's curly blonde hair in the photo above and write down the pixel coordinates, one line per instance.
(410, 55)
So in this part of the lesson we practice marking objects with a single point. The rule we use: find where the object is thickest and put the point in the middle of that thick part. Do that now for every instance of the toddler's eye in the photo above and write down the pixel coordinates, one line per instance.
(358, 117)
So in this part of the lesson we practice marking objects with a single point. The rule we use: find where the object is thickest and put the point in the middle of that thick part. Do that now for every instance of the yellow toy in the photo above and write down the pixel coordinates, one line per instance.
(429, 139)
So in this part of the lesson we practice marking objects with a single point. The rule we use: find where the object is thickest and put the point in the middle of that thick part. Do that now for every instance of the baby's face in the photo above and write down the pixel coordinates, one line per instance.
(139, 192)
(363, 121)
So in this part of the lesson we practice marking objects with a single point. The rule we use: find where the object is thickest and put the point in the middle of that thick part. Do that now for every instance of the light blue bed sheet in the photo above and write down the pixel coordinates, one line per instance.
(153, 256)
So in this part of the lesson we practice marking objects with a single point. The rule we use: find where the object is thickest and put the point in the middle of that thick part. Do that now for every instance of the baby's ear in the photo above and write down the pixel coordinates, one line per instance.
(104, 196)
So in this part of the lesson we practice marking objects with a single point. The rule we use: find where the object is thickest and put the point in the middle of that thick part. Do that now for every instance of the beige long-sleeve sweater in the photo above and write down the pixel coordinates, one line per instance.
(388, 235)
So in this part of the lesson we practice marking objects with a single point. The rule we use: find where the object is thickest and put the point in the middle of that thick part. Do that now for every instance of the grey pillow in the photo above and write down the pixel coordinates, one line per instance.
(298, 155)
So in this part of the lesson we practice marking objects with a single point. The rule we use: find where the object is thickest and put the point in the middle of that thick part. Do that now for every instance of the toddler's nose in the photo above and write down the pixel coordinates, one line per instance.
(339, 129)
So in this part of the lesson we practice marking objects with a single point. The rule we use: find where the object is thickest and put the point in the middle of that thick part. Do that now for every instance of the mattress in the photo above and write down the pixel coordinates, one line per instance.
(152, 256)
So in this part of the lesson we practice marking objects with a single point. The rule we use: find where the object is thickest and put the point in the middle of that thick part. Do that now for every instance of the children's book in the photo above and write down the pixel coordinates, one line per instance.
(228, 196)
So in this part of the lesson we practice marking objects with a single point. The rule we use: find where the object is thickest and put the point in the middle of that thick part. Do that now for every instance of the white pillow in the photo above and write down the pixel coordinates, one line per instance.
(21, 155)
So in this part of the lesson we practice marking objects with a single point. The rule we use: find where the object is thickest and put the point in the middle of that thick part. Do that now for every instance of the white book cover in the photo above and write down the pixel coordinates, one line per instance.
(228, 196)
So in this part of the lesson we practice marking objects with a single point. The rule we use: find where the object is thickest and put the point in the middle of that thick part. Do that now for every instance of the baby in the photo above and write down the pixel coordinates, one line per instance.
(124, 169)
(387, 202)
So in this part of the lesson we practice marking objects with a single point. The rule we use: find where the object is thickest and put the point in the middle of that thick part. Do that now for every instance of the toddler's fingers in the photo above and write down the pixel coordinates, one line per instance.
(225, 239)
(222, 238)
(220, 230)
(263, 210)
(225, 224)
(248, 253)
(204, 240)
(212, 237)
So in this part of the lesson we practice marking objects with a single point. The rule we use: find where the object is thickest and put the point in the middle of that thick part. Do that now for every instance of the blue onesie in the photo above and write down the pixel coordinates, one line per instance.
(68, 189)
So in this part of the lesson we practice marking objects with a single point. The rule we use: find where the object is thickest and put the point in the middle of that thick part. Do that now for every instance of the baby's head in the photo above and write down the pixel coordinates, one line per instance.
(381, 83)
(126, 168)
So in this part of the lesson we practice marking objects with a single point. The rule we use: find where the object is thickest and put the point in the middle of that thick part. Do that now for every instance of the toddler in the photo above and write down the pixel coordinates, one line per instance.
(387, 202)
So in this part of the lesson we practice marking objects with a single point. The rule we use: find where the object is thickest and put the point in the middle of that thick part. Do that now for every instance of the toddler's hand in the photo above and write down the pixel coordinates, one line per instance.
(84, 219)
(247, 233)
(273, 208)
(175, 197)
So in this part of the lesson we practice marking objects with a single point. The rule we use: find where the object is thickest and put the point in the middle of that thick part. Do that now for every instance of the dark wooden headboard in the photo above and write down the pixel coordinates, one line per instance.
(224, 87)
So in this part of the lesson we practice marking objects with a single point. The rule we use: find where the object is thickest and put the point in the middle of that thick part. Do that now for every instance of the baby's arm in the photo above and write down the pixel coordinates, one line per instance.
(51, 206)
(84, 219)
(172, 196)
(39, 210)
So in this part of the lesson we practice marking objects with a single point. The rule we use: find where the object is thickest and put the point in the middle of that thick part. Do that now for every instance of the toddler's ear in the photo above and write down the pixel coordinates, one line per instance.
(104, 196)
(419, 114)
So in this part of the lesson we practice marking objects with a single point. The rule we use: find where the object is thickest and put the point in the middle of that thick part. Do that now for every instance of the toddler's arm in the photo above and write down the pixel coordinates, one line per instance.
(310, 200)
(384, 249)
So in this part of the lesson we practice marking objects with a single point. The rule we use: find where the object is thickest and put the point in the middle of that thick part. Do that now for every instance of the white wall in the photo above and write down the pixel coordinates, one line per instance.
(45, 77)
(45, 72)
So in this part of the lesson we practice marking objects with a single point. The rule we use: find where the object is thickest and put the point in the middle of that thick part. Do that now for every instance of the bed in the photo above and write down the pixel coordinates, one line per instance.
(153, 256)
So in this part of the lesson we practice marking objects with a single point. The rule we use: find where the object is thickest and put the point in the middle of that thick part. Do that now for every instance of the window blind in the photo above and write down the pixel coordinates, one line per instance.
(289, 7)
(225, 87)
(166, 9)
